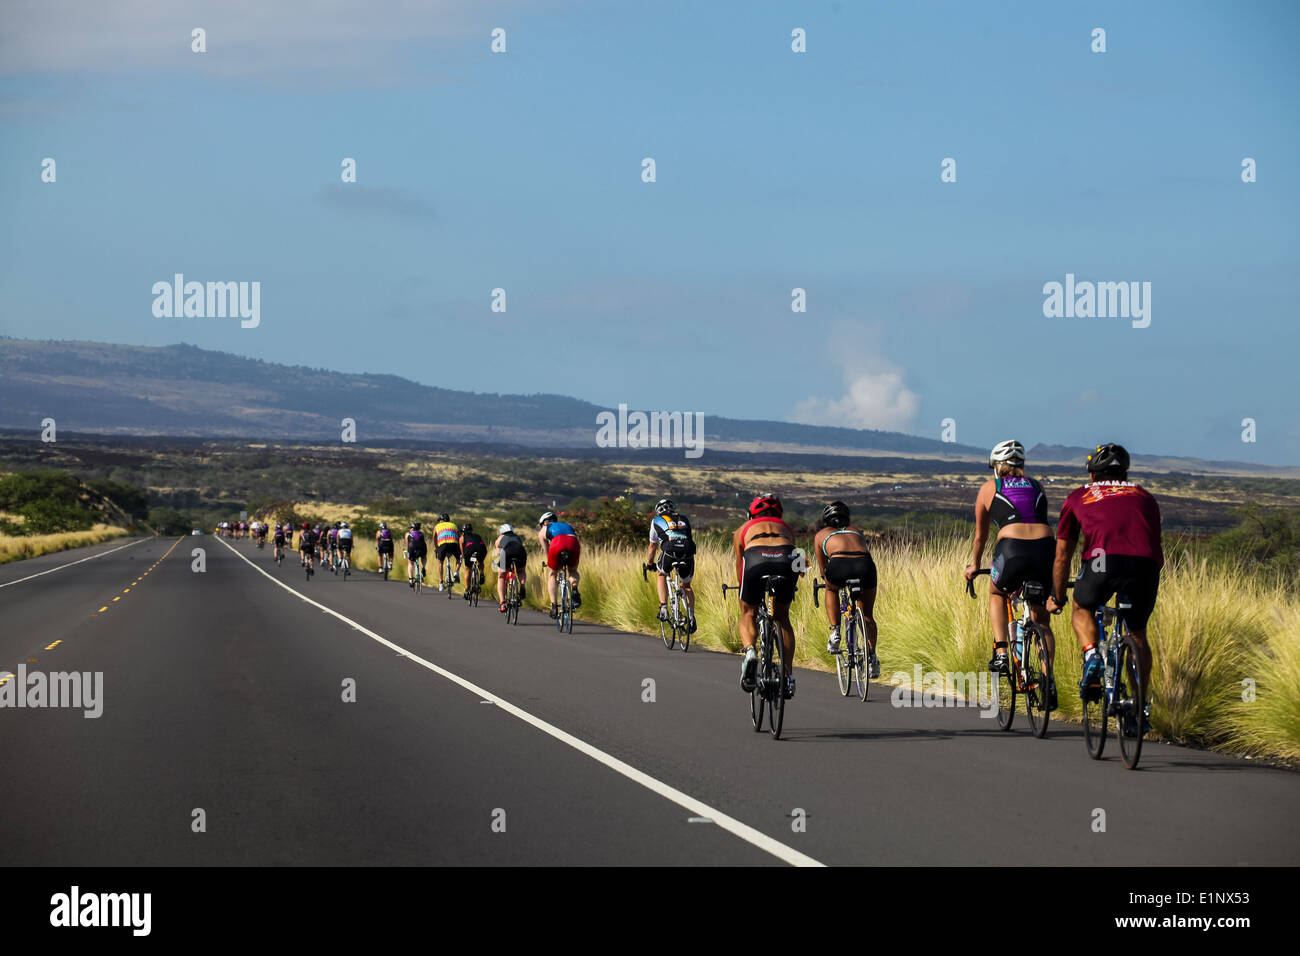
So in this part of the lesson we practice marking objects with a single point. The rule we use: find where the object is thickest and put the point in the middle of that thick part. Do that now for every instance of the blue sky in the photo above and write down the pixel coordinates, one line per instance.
(775, 170)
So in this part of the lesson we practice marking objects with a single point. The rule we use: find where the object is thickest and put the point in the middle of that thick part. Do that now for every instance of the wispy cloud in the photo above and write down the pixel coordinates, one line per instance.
(379, 199)
(362, 42)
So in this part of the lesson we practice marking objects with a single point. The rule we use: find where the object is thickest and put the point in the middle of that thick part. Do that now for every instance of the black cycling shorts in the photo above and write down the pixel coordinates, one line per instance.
(685, 564)
(345, 544)
(385, 547)
(842, 568)
(1017, 560)
(476, 551)
(764, 560)
(1136, 579)
(416, 552)
(446, 551)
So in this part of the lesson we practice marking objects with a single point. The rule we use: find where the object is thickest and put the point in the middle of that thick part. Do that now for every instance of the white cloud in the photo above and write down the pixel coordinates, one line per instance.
(875, 392)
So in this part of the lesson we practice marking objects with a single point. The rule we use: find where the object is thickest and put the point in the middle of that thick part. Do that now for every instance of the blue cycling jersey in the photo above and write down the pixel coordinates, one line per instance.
(557, 528)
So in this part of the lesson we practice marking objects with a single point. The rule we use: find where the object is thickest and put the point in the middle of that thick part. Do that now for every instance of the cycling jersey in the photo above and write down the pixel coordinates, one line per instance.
(415, 543)
(673, 534)
(345, 539)
(1018, 500)
(511, 552)
(444, 533)
(1116, 518)
(557, 528)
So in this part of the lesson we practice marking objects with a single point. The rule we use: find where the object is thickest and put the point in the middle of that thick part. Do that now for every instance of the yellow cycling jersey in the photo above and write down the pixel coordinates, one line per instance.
(445, 532)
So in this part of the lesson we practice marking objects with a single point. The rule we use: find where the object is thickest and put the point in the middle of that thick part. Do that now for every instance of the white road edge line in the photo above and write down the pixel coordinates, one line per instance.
(71, 563)
(742, 830)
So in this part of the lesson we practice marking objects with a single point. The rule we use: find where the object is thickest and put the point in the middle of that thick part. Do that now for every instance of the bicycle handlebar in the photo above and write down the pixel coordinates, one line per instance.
(817, 584)
(970, 583)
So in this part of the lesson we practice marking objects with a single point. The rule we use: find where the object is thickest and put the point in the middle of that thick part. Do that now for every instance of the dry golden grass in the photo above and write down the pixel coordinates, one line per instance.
(18, 548)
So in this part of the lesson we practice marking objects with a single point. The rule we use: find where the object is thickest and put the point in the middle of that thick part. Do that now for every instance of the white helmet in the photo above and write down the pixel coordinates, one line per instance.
(506, 529)
(1009, 450)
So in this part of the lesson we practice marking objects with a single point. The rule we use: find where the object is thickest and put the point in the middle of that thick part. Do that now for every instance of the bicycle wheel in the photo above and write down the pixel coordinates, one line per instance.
(1004, 689)
(668, 628)
(757, 697)
(568, 610)
(861, 654)
(1094, 722)
(1130, 701)
(1037, 679)
(419, 575)
(683, 625)
(844, 658)
(777, 669)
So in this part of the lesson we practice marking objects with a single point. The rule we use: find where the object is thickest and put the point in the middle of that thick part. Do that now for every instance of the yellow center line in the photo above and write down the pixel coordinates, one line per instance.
(54, 645)
(118, 598)
(104, 608)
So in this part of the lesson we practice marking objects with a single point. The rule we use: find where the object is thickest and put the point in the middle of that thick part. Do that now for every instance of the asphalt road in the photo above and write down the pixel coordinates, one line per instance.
(470, 742)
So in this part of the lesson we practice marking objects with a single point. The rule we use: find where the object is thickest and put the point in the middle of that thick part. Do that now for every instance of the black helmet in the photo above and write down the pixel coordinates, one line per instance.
(466, 528)
(444, 517)
(415, 526)
(665, 506)
(836, 514)
(1108, 457)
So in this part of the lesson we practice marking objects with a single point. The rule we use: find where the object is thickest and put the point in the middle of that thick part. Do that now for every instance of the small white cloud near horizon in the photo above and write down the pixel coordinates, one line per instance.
(875, 396)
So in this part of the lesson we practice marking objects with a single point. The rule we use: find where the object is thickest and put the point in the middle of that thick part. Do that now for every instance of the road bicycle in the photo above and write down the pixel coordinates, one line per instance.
(1122, 694)
(564, 606)
(769, 684)
(279, 554)
(385, 563)
(308, 564)
(676, 628)
(1028, 672)
(345, 562)
(513, 601)
(474, 583)
(415, 570)
(448, 577)
(853, 659)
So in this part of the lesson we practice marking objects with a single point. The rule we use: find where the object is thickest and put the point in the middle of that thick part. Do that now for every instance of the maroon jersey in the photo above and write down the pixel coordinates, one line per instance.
(1119, 517)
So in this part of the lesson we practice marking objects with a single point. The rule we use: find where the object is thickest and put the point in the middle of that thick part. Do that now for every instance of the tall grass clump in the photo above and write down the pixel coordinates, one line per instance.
(16, 548)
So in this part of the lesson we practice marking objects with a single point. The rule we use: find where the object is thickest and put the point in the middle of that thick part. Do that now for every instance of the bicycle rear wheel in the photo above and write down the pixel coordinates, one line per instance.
(861, 654)
(683, 625)
(668, 628)
(1037, 679)
(777, 668)
(1130, 700)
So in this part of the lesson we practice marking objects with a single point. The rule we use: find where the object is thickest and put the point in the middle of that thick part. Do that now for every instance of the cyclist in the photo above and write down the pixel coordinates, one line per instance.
(415, 550)
(1122, 552)
(446, 539)
(555, 536)
(332, 537)
(384, 542)
(764, 545)
(1023, 551)
(307, 545)
(345, 540)
(843, 555)
(670, 532)
(509, 553)
(472, 546)
(278, 540)
(321, 546)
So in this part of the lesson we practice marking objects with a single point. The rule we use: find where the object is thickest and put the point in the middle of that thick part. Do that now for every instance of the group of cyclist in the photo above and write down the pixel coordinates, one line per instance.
(323, 546)
(1118, 521)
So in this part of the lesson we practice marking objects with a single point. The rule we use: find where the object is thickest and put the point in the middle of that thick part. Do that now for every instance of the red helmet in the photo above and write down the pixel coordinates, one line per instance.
(306, 527)
(765, 503)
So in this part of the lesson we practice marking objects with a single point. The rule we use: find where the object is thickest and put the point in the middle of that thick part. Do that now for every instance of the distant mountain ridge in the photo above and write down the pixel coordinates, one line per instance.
(184, 390)
(188, 392)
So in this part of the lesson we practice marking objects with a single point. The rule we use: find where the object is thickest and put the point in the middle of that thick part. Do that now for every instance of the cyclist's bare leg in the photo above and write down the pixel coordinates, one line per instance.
(998, 617)
(782, 614)
(1043, 618)
(833, 605)
(688, 593)
(501, 587)
(1085, 626)
(662, 582)
(747, 626)
(1144, 656)
(867, 604)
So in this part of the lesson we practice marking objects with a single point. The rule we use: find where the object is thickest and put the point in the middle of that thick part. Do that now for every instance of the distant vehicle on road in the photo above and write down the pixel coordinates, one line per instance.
(197, 531)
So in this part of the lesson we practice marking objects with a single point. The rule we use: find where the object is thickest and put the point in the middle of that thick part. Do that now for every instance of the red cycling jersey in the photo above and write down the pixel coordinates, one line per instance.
(1119, 517)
